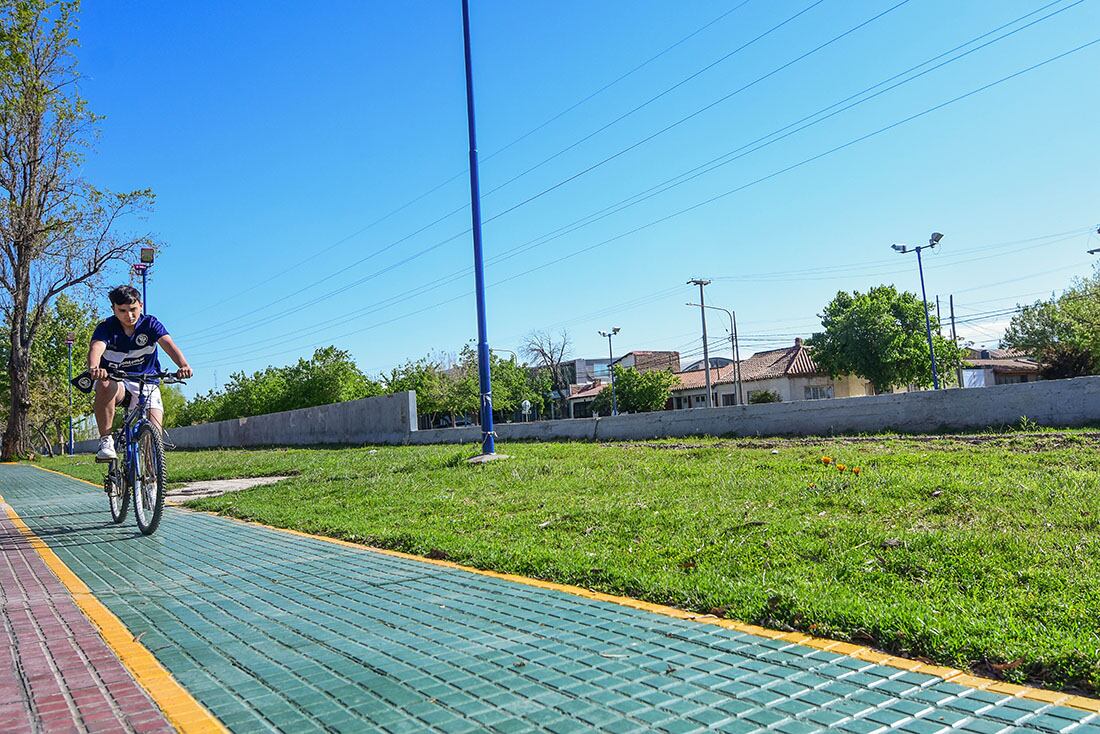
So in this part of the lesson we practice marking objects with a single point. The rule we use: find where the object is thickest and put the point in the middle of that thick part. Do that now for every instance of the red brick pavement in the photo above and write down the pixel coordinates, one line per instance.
(56, 672)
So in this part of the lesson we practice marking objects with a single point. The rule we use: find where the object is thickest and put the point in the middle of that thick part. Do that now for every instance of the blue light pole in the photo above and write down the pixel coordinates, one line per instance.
(69, 339)
(932, 242)
(488, 443)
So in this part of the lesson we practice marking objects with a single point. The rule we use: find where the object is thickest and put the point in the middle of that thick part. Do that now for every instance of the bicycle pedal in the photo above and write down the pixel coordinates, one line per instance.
(105, 461)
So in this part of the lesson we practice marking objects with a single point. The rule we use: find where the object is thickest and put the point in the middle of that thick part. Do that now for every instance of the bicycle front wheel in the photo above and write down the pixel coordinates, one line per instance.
(149, 479)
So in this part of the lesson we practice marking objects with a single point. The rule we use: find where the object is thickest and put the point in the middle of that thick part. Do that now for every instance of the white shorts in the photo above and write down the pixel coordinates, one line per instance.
(153, 400)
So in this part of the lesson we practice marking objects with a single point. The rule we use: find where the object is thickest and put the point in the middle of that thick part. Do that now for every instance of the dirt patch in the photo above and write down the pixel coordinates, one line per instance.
(215, 487)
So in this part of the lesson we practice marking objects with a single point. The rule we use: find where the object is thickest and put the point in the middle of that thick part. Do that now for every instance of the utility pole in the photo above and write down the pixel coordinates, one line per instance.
(706, 350)
(955, 338)
(611, 358)
(735, 350)
(939, 319)
(737, 359)
(488, 435)
(932, 242)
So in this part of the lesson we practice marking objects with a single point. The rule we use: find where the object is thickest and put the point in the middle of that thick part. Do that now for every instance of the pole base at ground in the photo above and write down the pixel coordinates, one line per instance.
(486, 458)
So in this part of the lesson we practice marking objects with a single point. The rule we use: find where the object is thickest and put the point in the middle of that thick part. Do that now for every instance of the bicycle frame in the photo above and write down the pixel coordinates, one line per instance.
(132, 423)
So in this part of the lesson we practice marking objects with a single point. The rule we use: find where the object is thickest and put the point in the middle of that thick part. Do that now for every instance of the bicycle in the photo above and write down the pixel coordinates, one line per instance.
(139, 468)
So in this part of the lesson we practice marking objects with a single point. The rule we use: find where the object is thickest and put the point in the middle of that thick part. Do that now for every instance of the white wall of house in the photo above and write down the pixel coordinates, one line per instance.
(788, 388)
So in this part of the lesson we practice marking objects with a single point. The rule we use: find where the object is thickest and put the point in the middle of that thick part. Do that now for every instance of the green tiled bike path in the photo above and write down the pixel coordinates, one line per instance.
(276, 632)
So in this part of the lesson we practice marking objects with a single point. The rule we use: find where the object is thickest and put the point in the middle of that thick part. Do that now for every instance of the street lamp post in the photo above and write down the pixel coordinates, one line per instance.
(488, 443)
(69, 339)
(147, 256)
(932, 242)
(706, 350)
(610, 370)
(735, 348)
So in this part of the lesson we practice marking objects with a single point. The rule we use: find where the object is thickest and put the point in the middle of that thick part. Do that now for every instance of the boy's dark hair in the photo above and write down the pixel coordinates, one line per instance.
(124, 295)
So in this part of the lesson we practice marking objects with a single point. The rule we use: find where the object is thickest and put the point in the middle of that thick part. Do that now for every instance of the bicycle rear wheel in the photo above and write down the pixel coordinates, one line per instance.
(148, 479)
(116, 493)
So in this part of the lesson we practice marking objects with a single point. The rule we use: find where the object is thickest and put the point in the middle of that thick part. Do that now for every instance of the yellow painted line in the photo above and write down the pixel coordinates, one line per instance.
(181, 709)
(820, 643)
(860, 652)
(59, 473)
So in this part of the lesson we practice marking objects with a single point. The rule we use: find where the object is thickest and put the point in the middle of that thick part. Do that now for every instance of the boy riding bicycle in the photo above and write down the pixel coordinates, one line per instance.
(128, 342)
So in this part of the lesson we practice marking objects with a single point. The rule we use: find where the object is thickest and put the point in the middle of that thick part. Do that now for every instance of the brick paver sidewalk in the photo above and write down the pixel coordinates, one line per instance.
(56, 673)
(277, 632)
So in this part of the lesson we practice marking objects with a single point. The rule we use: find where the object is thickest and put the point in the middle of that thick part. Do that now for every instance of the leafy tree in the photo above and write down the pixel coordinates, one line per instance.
(880, 336)
(57, 231)
(1062, 333)
(636, 392)
(330, 376)
(174, 405)
(436, 394)
(48, 382)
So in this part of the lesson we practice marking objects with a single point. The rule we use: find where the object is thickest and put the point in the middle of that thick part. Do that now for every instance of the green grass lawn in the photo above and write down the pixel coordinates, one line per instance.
(978, 552)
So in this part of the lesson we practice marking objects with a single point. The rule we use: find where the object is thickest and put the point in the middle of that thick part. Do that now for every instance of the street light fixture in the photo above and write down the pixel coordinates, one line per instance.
(147, 256)
(932, 242)
(611, 358)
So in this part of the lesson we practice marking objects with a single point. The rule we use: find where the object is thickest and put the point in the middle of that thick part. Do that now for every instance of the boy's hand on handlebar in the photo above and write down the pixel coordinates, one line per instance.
(184, 372)
(98, 373)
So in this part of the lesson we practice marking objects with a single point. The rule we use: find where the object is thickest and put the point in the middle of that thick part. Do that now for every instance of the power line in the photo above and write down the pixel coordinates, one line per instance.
(756, 181)
(437, 187)
(586, 170)
(699, 111)
(543, 239)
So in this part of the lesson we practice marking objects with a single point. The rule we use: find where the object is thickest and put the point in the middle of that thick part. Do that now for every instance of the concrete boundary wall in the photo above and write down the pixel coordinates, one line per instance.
(384, 419)
(1061, 403)
(391, 419)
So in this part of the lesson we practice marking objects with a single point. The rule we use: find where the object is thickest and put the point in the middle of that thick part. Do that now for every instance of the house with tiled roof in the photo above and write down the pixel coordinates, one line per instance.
(984, 367)
(581, 397)
(790, 373)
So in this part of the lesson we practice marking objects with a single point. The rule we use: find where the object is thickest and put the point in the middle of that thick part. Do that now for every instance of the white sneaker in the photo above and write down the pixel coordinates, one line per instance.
(106, 449)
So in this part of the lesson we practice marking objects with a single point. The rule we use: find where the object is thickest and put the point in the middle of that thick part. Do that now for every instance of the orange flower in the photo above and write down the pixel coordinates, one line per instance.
(856, 470)
(840, 467)
(826, 460)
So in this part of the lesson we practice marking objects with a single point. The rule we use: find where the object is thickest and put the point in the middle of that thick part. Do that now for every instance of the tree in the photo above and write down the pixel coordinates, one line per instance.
(636, 392)
(880, 336)
(330, 376)
(48, 381)
(174, 405)
(1062, 333)
(549, 352)
(57, 231)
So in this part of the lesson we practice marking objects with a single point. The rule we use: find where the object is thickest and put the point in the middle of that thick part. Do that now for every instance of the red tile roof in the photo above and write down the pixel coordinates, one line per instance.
(587, 392)
(791, 361)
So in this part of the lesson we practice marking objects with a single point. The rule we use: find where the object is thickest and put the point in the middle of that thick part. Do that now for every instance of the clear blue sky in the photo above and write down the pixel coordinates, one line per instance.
(275, 134)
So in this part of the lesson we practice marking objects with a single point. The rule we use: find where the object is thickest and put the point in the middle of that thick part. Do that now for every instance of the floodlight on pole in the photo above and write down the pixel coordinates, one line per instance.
(611, 358)
(933, 240)
(148, 254)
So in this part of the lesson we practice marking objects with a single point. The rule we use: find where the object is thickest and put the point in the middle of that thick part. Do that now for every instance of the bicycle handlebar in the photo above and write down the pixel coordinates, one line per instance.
(166, 377)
